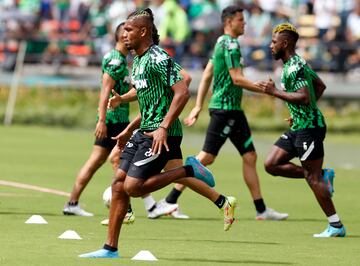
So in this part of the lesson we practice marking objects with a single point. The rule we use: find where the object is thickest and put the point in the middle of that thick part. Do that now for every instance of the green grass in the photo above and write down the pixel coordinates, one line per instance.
(51, 157)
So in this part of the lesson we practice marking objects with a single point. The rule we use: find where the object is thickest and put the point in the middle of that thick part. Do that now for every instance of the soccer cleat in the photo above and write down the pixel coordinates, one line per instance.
(329, 175)
(270, 214)
(177, 214)
(128, 219)
(200, 171)
(332, 232)
(75, 210)
(101, 253)
(162, 208)
(228, 209)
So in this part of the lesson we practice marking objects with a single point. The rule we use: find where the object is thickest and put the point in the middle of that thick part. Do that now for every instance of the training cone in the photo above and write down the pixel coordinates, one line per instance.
(144, 255)
(69, 234)
(36, 219)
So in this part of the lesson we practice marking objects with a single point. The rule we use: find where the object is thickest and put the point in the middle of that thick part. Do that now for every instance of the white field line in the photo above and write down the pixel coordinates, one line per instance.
(36, 188)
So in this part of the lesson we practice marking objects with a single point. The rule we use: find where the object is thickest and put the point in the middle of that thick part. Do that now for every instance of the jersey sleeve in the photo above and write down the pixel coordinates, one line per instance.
(232, 54)
(300, 80)
(168, 71)
(114, 67)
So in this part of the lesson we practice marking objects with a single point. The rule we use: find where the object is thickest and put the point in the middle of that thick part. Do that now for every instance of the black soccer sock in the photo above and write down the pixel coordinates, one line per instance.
(260, 205)
(129, 208)
(189, 170)
(220, 201)
(110, 248)
(173, 196)
(337, 224)
(73, 203)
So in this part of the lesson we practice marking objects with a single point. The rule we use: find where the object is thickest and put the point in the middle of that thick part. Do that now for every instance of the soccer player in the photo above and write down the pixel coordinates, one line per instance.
(115, 76)
(300, 89)
(227, 117)
(162, 94)
(110, 123)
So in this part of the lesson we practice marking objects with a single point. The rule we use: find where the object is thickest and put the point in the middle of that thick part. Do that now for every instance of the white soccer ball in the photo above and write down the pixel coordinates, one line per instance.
(107, 197)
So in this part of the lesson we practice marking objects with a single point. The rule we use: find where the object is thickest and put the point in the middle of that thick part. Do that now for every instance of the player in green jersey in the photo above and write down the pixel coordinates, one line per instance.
(162, 93)
(227, 117)
(115, 76)
(300, 89)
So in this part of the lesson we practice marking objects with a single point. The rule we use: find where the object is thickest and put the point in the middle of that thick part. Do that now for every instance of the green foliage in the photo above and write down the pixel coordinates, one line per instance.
(72, 108)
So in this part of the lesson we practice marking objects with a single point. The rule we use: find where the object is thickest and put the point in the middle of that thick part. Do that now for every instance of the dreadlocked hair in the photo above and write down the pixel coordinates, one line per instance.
(288, 29)
(147, 14)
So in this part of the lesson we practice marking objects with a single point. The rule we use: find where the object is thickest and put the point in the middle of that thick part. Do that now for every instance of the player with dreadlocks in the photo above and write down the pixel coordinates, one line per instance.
(300, 89)
(162, 94)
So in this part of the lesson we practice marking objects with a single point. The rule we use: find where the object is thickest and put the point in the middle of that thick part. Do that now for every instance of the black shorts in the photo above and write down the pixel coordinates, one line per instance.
(112, 131)
(137, 160)
(307, 144)
(228, 124)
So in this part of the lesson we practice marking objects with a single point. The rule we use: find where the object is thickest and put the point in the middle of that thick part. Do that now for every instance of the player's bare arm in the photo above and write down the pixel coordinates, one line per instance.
(238, 79)
(125, 135)
(107, 84)
(204, 86)
(118, 99)
(301, 96)
(319, 87)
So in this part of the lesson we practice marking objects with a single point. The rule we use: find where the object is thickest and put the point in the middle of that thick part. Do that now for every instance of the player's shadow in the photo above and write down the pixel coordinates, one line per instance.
(31, 213)
(212, 241)
(237, 262)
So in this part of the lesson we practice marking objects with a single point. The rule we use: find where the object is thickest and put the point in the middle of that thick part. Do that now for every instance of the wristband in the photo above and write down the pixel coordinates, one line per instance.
(163, 127)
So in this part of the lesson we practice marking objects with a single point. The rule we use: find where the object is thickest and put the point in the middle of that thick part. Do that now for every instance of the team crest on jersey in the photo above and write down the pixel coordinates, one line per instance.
(233, 45)
(158, 57)
(292, 69)
(139, 70)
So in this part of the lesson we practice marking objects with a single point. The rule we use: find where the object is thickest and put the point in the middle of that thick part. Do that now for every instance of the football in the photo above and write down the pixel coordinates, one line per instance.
(107, 197)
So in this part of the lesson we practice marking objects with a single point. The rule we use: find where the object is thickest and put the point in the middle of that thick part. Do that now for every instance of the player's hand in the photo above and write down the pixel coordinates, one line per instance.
(114, 101)
(122, 139)
(193, 116)
(269, 87)
(100, 130)
(159, 137)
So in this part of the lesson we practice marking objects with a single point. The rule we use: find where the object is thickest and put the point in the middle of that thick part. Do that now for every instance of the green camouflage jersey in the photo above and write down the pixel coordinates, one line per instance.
(153, 74)
(115, 65)
(297, 74)
(227, 55)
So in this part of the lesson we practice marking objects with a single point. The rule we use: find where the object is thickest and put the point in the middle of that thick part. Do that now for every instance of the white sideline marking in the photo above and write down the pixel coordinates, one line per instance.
(36, 188)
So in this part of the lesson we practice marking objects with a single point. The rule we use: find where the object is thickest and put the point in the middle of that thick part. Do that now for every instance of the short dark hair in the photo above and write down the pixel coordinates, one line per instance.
(117, 30)
(230, 11)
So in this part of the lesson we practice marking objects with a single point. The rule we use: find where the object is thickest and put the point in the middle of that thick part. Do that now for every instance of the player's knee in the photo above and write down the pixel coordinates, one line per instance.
(250, 158)
(133, 191)
(270, 167)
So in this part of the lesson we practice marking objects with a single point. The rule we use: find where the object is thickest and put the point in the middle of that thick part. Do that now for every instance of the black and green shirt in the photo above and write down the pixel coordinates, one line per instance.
(153, 75)
(297, 74)
(115, 65)
(227, 55)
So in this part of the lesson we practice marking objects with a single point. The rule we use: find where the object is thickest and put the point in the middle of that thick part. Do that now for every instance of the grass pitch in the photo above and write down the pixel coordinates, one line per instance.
(52, 157)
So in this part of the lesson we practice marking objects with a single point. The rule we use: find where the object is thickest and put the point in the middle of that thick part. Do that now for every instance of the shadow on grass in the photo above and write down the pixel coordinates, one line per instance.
(210, 240)
(260, 262)
(32, 213)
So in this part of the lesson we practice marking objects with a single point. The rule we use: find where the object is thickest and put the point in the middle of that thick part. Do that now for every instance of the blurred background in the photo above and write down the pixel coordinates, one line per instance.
(51, 52)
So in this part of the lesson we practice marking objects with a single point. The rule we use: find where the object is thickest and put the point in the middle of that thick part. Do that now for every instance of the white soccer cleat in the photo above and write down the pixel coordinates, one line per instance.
(162, 208)
(270, 214)
(75, 210)
(177, 214)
